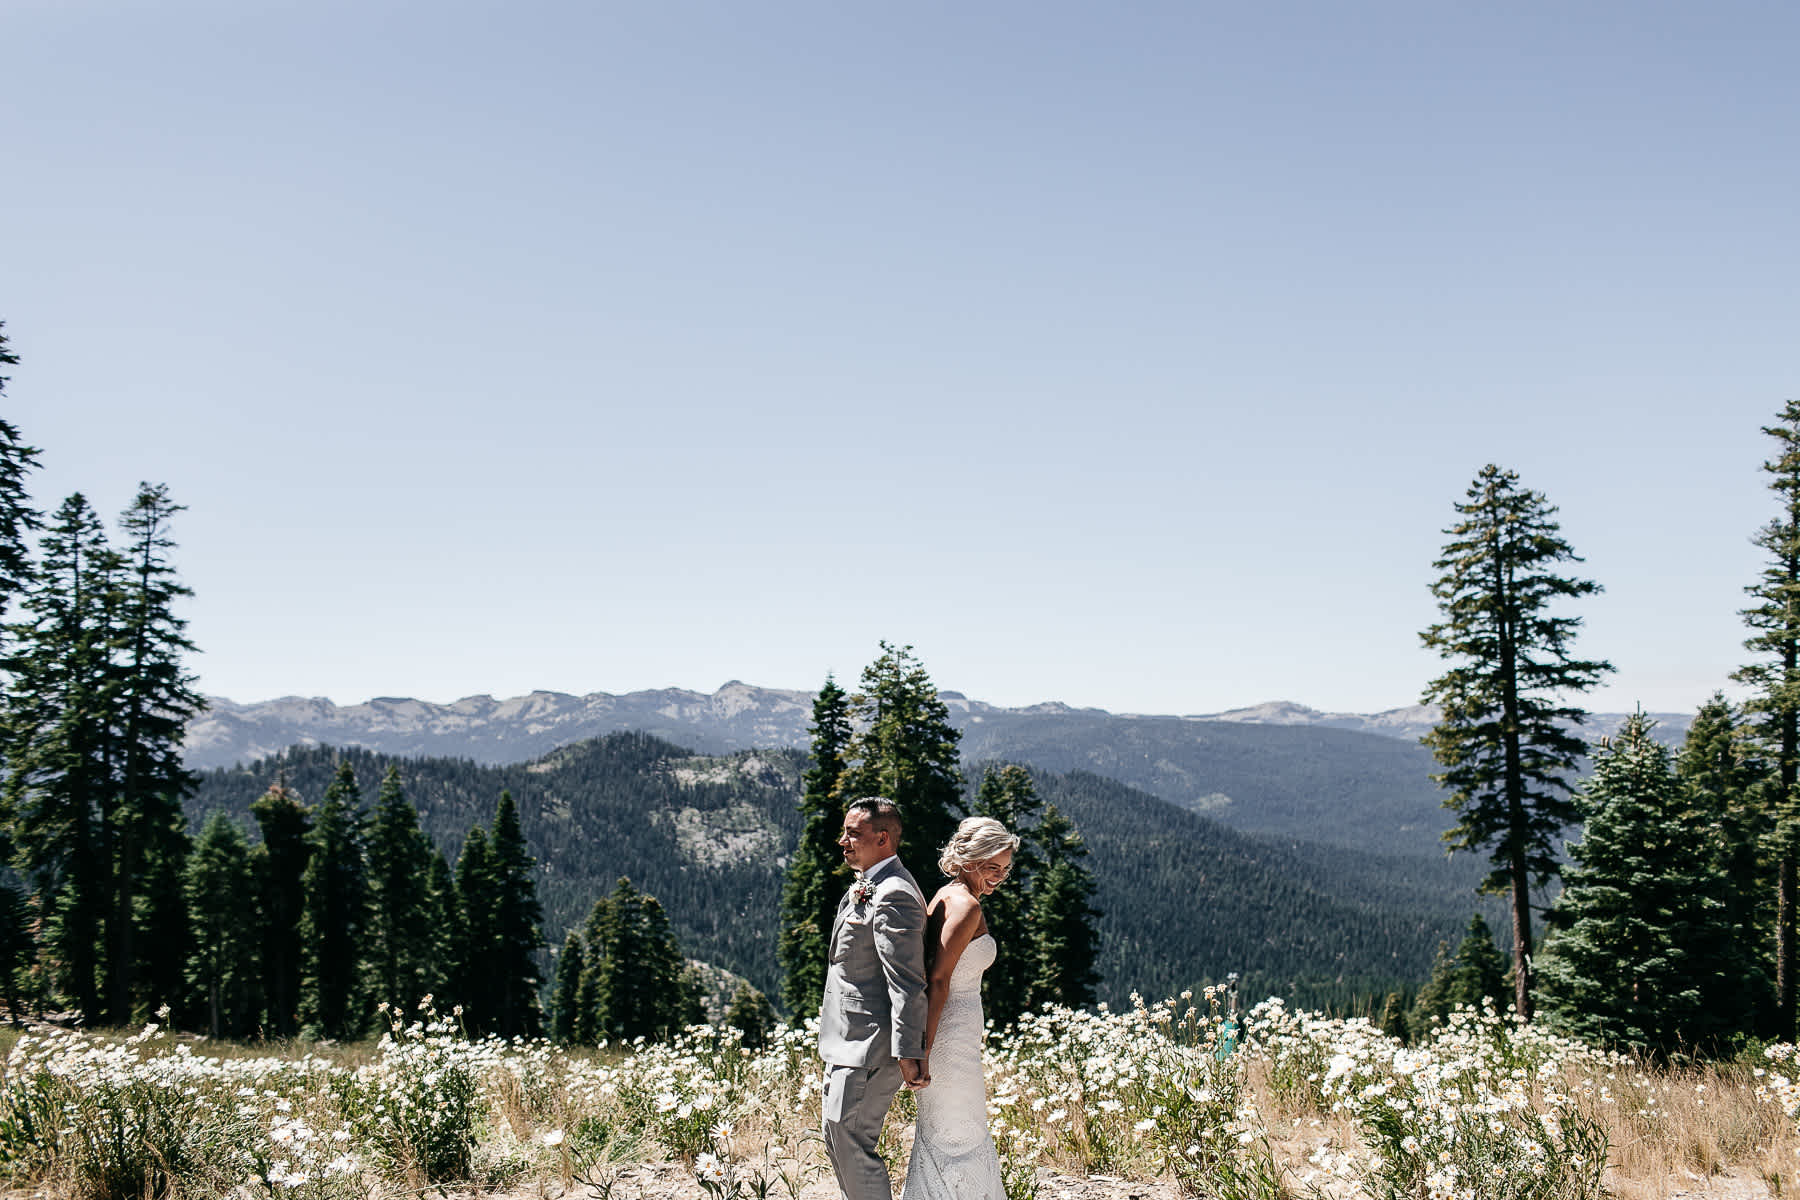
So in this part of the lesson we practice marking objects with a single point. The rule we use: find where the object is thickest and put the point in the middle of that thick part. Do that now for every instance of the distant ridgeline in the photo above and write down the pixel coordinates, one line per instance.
(1185, 899)
(1285, 770)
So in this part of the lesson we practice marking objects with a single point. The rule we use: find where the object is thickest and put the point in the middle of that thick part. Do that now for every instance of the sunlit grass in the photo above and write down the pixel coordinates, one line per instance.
(1305, 1106)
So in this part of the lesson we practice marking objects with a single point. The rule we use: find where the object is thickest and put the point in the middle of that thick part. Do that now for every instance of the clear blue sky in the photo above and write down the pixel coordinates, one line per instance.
(1126, 355)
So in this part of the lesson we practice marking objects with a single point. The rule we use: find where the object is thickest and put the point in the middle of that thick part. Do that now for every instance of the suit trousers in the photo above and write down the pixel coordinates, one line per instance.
(855, 1106)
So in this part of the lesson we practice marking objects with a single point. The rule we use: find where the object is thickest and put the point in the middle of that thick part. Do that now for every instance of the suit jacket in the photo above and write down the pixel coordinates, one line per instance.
(874, 1007)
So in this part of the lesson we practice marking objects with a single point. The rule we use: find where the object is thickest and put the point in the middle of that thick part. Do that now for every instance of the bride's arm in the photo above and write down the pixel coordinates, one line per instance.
(955, 916)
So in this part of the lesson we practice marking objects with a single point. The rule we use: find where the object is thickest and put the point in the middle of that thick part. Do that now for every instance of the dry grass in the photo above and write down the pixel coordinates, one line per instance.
(1675, 1129)
(1674, 1132)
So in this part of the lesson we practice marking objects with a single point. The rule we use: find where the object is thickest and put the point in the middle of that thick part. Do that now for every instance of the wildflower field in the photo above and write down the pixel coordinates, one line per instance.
(1290, 1104)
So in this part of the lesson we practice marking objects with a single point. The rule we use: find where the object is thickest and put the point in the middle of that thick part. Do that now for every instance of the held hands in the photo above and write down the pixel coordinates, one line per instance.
(915, 1072)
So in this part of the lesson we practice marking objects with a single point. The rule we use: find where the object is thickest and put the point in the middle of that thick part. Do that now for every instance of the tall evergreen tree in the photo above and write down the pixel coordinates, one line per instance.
(666, 970)
(565, 1003)
(518, 927)
(400, 943)
(1774, 705)
(61, 746)
(279, 866)
(1724, 781)
(816, 875)
(1639, 952)
(692, 1009)
(478, 960)
(19, 519)
(1479, 969)
(749, 1013)
(154, 698)
(335, 921)
(1432, 1002)
(906, 749)
(1504, 737)
(448, 935)
(15, 949)
(1064, 941)
(164, 927)
(221, 893)
(1008, 795)
(634, 966)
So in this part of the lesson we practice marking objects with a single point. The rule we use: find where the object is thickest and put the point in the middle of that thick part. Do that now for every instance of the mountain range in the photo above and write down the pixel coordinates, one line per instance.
(1283, 769)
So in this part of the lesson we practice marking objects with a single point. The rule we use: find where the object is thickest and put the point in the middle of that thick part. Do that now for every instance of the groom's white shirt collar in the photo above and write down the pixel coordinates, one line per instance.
(879, 867)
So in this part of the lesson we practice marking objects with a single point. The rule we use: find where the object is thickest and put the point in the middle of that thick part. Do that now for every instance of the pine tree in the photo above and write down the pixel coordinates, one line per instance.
(1724, 783)
(1478, 970)
(448, 935)
(478, 959)
(518, 927)
(279, 865)
(1774, 706)
(400, 948)
(335, 922)
(816, 875)
(1639, 954)
(1432, 1003)
(565, 1004)
(750, 1014)
(19, 519)
(692, 1009)
(1503, 738)
(634, 968)
(906, 749)
(1393, 1018)
(588, 1025)
(1008, 795)
(1064, 942)
(62, 748)
(163, 923)
(15, 949)
(221, 893)
(155, 698)
(677, 997)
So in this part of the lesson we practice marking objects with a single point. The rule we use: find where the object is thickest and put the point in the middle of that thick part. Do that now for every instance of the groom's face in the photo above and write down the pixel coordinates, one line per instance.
(864, 845)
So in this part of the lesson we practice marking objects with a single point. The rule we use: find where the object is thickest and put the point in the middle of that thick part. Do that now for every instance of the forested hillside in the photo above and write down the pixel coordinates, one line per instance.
(1323, 785)
(702, 835)
(1185, 899)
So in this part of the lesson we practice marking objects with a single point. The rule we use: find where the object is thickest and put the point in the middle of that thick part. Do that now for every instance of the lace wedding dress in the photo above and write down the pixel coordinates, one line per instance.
(953, 1157)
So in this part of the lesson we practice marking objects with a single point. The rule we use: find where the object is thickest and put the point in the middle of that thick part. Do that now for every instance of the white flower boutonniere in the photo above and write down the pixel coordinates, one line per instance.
(862, 891)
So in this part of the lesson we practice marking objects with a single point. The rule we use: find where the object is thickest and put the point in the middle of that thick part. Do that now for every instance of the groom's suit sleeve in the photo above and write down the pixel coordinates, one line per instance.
(899, 926)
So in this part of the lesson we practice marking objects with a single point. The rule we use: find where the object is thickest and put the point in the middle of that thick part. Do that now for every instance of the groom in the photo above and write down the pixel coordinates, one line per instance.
(872, 1023)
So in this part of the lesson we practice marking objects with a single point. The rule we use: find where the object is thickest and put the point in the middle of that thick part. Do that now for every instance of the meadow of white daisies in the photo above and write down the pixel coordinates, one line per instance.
(1283, 1104)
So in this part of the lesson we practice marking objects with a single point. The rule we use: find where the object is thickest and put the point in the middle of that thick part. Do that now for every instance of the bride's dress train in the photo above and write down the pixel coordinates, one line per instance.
(953, 1156)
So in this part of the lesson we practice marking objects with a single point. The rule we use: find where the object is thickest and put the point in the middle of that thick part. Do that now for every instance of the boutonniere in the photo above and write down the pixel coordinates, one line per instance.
(862, 891)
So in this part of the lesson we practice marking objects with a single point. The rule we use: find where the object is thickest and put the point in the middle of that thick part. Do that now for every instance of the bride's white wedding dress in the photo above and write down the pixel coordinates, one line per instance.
(953, 1156)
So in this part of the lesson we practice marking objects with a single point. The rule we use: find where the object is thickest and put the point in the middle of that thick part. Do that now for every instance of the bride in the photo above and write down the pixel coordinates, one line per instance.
(953, 1156)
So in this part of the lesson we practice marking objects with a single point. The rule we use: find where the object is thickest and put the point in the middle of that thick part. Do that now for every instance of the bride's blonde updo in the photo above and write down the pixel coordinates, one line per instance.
(977, 840)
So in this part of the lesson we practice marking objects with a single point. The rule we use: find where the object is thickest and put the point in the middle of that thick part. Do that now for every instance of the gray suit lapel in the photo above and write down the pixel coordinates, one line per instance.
(837, 921)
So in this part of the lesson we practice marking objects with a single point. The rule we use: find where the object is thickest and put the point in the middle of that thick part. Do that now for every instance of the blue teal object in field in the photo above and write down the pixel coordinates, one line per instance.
(1228, 1036)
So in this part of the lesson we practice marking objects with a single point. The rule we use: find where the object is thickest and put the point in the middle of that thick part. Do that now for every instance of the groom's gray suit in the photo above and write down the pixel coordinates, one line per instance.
(873, 1015)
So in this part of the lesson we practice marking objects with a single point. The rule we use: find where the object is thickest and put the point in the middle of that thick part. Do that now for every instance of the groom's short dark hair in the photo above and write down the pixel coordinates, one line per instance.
(883, 814)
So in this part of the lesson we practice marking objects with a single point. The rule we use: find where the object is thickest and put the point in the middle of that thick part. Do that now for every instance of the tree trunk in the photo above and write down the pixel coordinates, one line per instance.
(1521, 924)
(1784, 946)
(1789, 769)
(1518, 822)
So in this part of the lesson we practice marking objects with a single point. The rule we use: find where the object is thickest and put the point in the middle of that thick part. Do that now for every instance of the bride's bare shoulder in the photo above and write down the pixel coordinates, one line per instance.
(954, 902)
